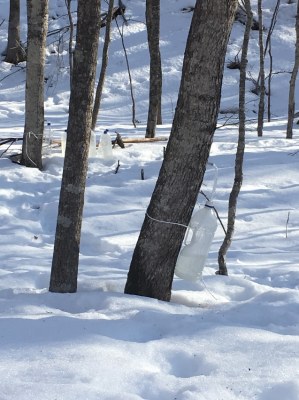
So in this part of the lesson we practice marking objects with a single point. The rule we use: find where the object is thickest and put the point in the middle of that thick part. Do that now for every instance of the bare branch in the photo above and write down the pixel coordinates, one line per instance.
(129, 72)
(12, 73)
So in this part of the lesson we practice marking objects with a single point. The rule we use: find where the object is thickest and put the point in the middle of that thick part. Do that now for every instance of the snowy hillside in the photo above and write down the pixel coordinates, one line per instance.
(225, 338)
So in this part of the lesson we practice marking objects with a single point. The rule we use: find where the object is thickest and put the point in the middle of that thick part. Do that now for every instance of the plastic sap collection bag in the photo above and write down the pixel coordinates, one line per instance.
(193, 255)
(105, 146)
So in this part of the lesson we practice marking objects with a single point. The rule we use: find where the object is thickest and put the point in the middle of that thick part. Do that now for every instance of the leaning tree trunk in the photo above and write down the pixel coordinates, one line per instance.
(100, 86)
(155, 92)
(37, 16)
(233, 198)
(260, 122)
(291, 108)
(68, 231)
(15, 52)
(153, 263)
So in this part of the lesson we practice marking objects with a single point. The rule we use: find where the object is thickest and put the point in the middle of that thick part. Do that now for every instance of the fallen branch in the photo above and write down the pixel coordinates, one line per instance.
(7, 140)
(130, 140)
(12, 73)
(11, 142)
(144, 140)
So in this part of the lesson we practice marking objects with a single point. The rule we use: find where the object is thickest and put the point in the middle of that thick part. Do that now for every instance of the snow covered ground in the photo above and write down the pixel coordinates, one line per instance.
(226, 338)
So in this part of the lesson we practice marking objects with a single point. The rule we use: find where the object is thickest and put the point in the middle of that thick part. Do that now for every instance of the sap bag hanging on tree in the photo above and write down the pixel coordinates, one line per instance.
(193, 254)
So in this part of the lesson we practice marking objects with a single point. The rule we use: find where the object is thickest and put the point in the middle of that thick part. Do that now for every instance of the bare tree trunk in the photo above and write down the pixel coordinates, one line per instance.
(233, 198)
(260, 122)
(100, 85)
(68, 231)
(291, 108)
(270, 81)
(37, 16)
(159, 117)
(15, 52)
(153, 263)
(269, 48)
(153, 37)
(68, 6)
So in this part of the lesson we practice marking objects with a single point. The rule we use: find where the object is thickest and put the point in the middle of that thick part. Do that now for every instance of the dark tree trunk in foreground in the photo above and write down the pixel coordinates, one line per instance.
(100, 86)
(152, 267)
(153, 37)
(291, 108)
(15, 53)
(68, 231)
(233, 198)
(260, 122)
(37, 17)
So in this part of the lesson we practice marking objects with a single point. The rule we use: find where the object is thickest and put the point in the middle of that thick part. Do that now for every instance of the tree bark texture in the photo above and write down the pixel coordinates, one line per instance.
(233, 198)
(260, 122)
(100, 86)
(155, 92)
(37, 17)
(68, 231)
(15, 52)
(159, 117)
(291, 107)
(153, 263)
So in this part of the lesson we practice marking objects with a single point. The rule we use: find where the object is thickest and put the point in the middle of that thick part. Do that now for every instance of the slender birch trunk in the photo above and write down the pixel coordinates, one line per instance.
(269, 48)
(69, 12)
(261, 110)
(37, 16)
(233, 198)
(155, 92)
(291, 107)
(100, 86)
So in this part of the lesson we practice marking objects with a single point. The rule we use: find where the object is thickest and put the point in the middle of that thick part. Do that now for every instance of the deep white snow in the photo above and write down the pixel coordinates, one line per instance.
(226, 338)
